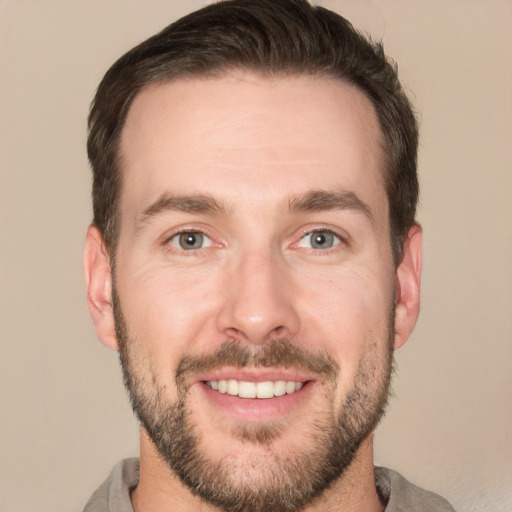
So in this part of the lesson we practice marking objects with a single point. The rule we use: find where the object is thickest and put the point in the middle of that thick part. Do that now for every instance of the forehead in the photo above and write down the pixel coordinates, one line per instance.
(241, 133)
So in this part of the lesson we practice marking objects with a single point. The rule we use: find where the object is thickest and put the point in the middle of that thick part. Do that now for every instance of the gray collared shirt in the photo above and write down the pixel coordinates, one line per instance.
(401, 496)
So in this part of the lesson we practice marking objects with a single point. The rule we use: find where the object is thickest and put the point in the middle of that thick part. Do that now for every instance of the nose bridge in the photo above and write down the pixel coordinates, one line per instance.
(258, 303)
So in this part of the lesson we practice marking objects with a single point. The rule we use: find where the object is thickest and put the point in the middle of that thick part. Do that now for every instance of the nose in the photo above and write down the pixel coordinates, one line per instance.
(258, 302)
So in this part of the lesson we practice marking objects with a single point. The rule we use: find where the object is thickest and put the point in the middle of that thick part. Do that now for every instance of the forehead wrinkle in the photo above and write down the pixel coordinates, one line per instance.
(195, 203)
(322, 200)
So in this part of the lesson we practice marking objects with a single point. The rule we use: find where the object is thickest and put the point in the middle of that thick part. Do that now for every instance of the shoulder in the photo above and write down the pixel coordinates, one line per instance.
(403, 496)
(114, 493)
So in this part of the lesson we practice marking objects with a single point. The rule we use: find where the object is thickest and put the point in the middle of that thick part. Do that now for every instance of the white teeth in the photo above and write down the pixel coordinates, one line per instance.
(247, 390)
(243, 389)
(290, 387)
(232, 387)
(280, 388)
(265, 389)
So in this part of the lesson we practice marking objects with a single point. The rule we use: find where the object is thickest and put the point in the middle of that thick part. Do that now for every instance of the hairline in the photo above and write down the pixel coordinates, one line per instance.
(114, 228)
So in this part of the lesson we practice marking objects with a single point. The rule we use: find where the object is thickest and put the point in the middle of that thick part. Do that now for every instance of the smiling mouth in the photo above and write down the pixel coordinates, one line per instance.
(244, 389)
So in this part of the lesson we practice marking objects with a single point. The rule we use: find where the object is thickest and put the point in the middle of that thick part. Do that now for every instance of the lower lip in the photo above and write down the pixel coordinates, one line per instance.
(257, 408)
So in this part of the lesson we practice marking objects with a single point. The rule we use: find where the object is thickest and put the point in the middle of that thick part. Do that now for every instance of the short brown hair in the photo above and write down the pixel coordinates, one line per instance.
(273, 38)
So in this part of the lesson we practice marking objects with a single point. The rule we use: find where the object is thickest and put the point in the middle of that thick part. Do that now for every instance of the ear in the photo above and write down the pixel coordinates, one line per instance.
(408, 277)
(98, 278)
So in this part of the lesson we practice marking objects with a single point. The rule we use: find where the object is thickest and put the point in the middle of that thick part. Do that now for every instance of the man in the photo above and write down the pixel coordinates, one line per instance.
(255, 259)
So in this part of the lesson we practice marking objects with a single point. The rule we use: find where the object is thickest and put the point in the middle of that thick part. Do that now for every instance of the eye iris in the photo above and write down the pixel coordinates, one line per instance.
(191, 240)
(322, 240)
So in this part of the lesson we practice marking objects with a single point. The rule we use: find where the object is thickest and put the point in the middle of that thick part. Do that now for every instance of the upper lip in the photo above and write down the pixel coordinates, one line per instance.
(256, 375)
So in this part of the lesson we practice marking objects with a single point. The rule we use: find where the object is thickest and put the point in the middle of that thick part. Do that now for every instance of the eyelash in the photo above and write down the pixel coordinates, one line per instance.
(185, 231)
(168, 241)
(340, 239)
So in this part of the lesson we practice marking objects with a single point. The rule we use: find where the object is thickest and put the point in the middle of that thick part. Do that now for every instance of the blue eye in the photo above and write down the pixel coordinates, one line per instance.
(320, 239)
(190, 241)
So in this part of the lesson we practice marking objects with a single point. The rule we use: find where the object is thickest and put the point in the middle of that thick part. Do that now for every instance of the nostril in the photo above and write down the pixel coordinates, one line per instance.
(234, 334)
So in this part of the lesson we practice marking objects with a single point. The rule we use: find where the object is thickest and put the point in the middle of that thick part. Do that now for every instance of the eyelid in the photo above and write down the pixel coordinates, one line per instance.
(180, 230)
(342, 237)
(174, 240)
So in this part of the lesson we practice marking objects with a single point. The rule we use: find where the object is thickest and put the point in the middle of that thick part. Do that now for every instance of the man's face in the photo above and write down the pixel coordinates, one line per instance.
(254, 283)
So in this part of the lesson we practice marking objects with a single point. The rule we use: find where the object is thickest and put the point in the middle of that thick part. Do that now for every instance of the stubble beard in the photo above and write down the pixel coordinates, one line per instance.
(267, 481)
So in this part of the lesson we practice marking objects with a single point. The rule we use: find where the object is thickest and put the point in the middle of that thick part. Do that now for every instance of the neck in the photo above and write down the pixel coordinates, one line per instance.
(160, 490)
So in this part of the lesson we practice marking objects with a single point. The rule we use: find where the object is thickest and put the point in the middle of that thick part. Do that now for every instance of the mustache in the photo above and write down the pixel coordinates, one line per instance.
(280, 353)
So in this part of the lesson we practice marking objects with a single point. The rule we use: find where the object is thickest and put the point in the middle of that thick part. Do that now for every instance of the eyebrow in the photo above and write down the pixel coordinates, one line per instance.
(198, 203)
(312, 201)
(322, 200)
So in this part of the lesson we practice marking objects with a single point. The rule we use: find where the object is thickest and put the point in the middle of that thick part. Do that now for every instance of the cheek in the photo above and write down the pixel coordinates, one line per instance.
(349, 315)
(167, 313)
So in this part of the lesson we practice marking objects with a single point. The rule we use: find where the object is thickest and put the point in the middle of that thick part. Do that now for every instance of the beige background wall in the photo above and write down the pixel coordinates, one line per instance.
(64, 416)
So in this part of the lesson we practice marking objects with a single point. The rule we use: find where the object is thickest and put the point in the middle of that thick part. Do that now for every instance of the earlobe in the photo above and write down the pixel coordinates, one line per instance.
(98, 278)
(408, 278)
